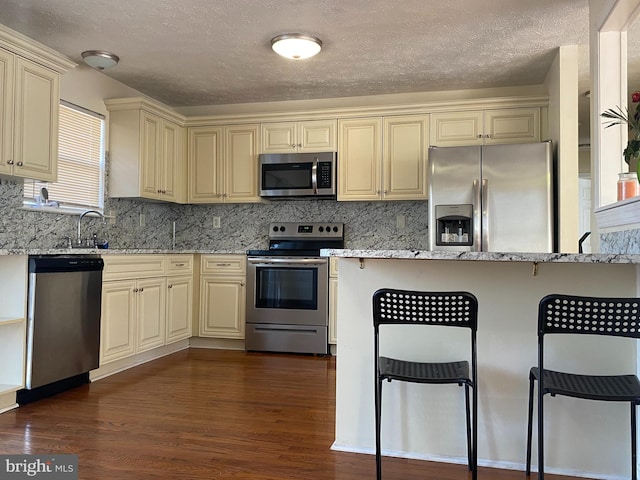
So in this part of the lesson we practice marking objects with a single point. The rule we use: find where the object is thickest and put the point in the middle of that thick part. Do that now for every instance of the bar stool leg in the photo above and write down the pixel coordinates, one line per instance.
(530, 425)
(378, 408)
(634, 468)
(469, 451)
(540, 426)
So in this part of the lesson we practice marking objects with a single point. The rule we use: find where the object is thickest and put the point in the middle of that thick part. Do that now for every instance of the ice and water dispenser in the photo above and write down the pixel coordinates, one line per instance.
(454, 225)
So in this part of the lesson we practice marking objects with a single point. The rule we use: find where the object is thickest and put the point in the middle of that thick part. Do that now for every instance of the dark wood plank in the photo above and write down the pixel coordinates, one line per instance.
(206, 414)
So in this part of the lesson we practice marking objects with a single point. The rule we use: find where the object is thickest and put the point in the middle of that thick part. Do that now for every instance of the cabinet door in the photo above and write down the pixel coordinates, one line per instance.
(512, 125)
(150, 309)
(333, 311)
(150, 134)
(279, 137)
(117, 338)
(405, 157)
(452, 129)
(317, 136)
(171, 170)
(6, 111)
(179, 308)
(241, 164)
(360, 159)
(222, 307)
(205, 165)
(37, 97)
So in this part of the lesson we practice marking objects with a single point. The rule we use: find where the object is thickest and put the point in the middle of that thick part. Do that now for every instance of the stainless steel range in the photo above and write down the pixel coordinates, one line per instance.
(288, 289)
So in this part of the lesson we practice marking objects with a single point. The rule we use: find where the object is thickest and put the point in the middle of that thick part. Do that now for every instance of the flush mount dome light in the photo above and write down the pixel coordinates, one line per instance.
(99, 59)
(296, 46)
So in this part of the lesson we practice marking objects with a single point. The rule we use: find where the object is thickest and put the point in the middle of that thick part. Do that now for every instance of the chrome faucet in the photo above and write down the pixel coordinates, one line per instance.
(80, 221)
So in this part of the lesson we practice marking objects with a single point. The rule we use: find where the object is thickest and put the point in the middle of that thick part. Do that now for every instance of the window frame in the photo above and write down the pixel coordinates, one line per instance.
(29, 202)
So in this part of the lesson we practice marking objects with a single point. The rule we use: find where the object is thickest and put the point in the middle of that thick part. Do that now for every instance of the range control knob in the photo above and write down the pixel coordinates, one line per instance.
(335, 229)
(282, 229)
(275, 228)
(328, 229)
(321, 229)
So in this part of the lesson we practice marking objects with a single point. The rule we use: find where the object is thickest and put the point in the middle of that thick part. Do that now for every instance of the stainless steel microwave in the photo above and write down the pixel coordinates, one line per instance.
(285, 175)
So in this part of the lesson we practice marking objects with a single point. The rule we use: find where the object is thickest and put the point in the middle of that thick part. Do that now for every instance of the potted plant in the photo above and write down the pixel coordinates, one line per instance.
(628, 185)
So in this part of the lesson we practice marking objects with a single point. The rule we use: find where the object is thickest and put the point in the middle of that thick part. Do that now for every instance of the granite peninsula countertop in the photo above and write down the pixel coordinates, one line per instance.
(485, 256)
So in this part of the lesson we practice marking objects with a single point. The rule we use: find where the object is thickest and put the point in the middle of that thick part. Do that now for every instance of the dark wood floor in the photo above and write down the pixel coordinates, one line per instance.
(209, 414)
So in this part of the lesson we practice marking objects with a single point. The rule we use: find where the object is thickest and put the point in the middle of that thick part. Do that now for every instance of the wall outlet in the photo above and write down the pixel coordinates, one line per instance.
(400, 222)
(112, 217)
(143, 220)
(216, 222)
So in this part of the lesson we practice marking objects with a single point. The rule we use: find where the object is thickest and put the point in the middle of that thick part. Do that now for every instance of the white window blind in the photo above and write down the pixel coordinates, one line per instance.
(80, 163)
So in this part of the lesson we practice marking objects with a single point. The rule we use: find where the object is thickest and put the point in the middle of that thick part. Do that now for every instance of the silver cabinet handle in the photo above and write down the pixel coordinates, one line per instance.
(223, 264)
(485, 215)
(169, 286)
(135, 290)
(9, 162)
(142, 289)
(179, 264)
(19, 164)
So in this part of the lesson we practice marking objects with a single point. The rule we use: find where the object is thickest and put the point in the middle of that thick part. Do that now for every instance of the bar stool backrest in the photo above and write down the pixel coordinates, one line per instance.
(617, 317)
(453, 309)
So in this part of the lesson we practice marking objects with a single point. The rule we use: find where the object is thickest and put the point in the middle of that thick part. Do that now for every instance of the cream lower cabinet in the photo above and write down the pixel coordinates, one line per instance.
(29, 102)
(222, 296)
(146, 303)
(333, 300)
(507, 125)
(383, 158)
(223, 164)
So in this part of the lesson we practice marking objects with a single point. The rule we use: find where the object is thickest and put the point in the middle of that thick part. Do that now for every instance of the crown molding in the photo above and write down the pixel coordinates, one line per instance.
(28, 48)
(146, 104)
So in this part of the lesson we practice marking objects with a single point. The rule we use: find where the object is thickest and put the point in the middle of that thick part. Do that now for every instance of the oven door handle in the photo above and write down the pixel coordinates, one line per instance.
(270, 262)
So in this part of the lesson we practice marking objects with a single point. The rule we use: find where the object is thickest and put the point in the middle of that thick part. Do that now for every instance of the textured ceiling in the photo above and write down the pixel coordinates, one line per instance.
(205, 52)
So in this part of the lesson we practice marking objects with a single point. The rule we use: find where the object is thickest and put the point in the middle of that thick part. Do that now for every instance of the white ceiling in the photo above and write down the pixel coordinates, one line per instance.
(204, 52)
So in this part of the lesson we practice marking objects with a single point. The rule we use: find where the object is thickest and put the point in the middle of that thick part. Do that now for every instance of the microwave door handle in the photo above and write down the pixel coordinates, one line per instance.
(314, 175)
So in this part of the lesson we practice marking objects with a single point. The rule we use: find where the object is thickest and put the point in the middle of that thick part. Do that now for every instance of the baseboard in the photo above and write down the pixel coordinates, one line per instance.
(217, 343)
(481, 462)
(135, 360)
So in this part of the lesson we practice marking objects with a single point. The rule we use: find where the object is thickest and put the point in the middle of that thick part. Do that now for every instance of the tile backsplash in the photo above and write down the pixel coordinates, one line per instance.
(368, 225)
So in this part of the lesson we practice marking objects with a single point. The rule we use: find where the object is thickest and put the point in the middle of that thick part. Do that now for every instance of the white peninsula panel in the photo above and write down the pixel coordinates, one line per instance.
(427, 421)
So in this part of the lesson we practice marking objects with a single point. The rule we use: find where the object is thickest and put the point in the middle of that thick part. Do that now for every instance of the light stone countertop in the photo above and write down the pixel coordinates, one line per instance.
(113, 251)
(485, 256)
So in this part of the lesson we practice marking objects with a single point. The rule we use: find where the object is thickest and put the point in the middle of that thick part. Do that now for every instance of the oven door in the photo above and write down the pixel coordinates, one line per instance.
(287, 290)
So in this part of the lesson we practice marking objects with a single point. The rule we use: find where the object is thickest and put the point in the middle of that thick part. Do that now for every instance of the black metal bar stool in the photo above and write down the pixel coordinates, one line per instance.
(566, 314)
(450, 309)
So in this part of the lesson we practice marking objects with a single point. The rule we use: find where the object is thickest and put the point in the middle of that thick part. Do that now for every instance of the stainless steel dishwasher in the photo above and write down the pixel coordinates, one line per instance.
(63, 323)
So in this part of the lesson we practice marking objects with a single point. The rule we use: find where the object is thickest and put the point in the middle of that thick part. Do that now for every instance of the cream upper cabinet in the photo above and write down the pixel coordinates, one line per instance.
(359, 158)
(241, 164)
(299, 137)
(383, 158)
(507, 125)
(223, 164)
(29, 102)
(147, 156)
(405, 157)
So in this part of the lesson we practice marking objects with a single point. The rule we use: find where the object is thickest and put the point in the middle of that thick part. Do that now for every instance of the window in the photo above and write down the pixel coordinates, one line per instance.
(80, 184)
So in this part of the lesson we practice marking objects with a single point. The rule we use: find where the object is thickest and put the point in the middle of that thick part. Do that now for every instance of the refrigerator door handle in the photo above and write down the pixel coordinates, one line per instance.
(485, 215)
(477, 205)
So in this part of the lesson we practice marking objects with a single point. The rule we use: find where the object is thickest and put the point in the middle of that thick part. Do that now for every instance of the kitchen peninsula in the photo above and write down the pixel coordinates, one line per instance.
(420, 421)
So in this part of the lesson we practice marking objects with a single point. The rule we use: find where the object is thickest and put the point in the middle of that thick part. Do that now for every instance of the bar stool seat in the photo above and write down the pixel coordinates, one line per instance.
(450, 372)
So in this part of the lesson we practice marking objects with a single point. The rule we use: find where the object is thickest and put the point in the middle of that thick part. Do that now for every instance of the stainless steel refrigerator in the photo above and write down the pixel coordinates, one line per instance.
(493, 198)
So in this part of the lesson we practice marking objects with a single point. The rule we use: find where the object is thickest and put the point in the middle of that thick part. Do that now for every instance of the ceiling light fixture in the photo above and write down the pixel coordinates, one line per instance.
(296, 46)
(99, 59)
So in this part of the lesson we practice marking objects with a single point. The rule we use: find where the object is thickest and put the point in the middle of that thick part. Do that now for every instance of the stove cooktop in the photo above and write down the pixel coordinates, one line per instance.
(293, 239)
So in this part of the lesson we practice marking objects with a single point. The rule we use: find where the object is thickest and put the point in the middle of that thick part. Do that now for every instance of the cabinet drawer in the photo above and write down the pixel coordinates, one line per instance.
(120, 267)
(223, 264)
(180, 264)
